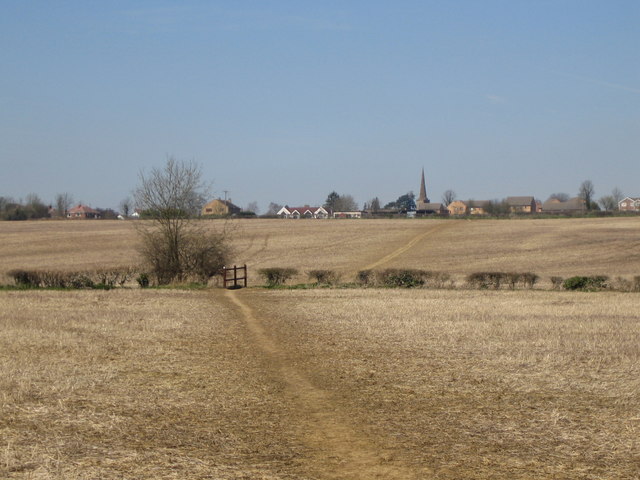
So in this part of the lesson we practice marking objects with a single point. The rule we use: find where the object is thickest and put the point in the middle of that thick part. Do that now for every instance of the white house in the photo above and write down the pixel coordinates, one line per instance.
(302, 212)
(629, 204)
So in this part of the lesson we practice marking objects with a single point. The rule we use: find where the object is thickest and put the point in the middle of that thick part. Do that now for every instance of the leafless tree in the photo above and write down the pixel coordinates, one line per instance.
(63, 203)
(345, 203)
(274, 208)
(125, 206)
(175, 244)
(448, 197)
(252, 207)
(617, 195)
(560, 196)
(586, 192)
(374, 204)
(608, 203)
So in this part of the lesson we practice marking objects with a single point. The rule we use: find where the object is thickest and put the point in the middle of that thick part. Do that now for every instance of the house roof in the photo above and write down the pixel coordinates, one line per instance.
(554, 205)
(82, 209)
(517, 201)
(303, 210)
(224, 202)
(633, 199)
(477, 203)
(430, 207)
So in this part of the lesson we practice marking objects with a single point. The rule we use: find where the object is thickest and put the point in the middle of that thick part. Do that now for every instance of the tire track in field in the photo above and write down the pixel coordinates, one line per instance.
(405, 248)
(339, 450)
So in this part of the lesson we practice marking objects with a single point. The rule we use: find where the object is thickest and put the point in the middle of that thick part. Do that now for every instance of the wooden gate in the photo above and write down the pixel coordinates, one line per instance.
(235, 277)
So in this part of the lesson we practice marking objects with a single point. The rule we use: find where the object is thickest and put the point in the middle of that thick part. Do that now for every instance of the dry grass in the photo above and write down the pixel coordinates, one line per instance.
(134, 384)
(413, 384)
(486, 385)
(319, 384)
(562, 247)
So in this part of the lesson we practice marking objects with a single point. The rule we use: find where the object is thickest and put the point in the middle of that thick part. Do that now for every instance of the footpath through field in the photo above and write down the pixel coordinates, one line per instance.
(408, 246)
(339, 450)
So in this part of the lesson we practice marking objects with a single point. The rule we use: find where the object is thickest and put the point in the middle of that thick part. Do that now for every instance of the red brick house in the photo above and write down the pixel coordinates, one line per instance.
(629, 204)
(82, 212)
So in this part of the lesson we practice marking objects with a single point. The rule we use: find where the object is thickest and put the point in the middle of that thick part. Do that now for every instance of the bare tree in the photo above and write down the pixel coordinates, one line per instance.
(125, 206)
(252, 207)
(560, 196)
(274, 208)
(34, 207)
(175, 245)
(63, 203)
(586, 192)
(374, 204)
(448, 197)
(345, 203)
(617, 195)
(608, 203)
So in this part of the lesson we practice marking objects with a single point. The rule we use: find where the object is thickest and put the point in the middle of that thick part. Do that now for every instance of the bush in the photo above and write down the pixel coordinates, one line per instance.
(275, 276)
(79, 280)
(403, 278)
(484, 280)
(143, 280)
(58, 279)
(198, 258)
(585, 283)
(110, 277)
(365, 277)
(636, 283)
(327, 277)
(24, 278)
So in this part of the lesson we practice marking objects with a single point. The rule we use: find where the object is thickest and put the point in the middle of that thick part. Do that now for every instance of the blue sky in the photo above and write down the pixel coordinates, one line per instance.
(285, 101)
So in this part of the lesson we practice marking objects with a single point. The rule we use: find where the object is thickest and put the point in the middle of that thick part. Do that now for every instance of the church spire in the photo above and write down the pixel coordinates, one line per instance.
(423, 190)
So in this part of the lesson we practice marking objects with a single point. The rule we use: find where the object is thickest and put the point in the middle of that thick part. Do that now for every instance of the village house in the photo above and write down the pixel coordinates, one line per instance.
(629, 204)
(302, 212)
(521, 204)
(573, 205)
(82, 212)
(220, 208)
(457, 207)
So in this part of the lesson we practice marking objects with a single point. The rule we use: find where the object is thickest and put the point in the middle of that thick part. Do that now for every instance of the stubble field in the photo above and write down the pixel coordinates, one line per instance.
(326, 383)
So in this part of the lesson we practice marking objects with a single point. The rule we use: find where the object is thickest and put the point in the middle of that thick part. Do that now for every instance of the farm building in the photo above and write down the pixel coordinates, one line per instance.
(220, 207)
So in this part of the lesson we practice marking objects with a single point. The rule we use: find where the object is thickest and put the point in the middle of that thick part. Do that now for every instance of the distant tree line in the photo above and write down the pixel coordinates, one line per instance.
(33, 208)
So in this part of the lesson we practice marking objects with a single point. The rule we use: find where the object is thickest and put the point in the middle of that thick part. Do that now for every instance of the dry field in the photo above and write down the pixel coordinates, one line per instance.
(319, 384)
(563, 247)
(326, 383)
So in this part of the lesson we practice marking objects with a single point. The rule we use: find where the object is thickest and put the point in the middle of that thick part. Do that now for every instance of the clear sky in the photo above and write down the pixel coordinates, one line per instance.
(285, 101)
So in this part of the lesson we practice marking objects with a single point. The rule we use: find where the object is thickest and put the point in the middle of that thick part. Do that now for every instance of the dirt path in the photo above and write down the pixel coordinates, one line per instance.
(405, 248)
(339, 449)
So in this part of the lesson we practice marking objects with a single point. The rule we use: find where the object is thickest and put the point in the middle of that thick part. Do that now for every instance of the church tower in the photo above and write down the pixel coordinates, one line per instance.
(422, 198)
